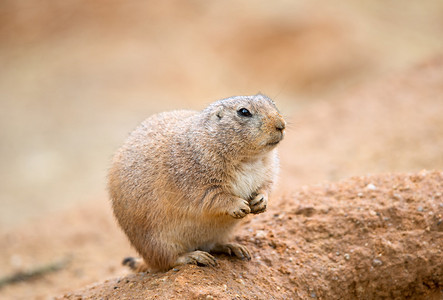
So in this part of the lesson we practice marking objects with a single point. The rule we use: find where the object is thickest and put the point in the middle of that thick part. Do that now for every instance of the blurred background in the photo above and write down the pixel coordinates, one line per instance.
(77, 76)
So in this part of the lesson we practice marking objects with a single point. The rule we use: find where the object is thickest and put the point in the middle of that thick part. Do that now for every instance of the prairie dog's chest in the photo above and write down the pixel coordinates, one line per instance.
(249, 177)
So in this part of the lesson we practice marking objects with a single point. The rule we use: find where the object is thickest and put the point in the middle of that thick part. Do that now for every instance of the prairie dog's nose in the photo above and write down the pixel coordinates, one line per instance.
(280, 124)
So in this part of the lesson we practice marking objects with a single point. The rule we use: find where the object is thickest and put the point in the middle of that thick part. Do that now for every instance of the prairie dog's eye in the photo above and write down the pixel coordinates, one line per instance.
(243, 112)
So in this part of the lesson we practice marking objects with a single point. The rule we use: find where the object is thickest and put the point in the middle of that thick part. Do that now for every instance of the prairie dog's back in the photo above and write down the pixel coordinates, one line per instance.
(146, 152)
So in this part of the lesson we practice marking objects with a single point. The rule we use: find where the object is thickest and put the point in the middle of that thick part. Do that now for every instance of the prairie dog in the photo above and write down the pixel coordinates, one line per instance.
(184, 179)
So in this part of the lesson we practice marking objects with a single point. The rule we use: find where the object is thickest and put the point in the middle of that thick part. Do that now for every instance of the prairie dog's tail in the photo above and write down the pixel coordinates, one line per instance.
(136, 264)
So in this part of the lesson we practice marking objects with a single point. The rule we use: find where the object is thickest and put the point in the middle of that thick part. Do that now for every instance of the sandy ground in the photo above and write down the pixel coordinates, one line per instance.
(374, 237)
(361, 86)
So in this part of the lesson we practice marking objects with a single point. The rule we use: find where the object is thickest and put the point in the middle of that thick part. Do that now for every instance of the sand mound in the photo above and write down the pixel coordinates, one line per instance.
(362, 238)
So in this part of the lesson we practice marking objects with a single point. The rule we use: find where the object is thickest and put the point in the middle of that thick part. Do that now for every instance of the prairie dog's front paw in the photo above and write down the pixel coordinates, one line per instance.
(239, 209)
(259, 203)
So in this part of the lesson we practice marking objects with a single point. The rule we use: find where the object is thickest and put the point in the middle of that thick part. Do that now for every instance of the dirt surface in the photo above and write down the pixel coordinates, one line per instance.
(363, 238)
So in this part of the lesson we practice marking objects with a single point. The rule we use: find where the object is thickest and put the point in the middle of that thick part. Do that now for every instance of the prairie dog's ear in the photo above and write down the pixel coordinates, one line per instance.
(219, 112)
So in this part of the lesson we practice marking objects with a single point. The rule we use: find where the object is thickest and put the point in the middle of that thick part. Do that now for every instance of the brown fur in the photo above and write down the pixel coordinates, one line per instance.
(184, 179)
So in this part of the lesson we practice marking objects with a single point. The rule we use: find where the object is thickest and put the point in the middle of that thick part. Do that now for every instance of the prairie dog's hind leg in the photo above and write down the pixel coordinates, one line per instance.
(136, 264)
(201, 258)
(232, 249)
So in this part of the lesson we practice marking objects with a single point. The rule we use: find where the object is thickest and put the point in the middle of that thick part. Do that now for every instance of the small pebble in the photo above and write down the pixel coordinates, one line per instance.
(313, 295)
(175, 269)
(371, 187)
(280, 217)
(376, 262)
(347, 256)
(209, 297)
(420, 209)
(260, 234)
(397, 196)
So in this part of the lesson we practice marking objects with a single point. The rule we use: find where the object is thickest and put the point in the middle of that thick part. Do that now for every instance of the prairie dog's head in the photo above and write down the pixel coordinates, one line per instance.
(245, 124)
